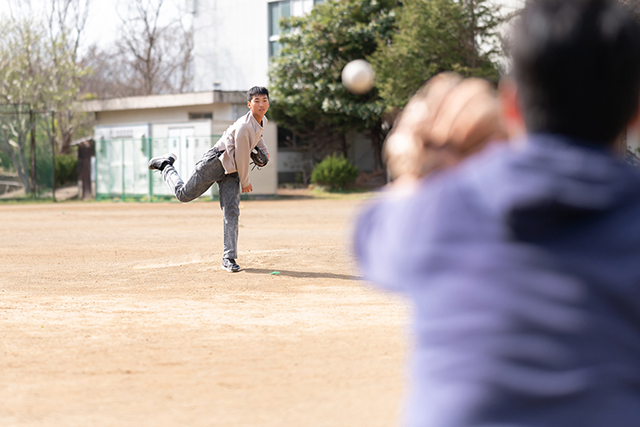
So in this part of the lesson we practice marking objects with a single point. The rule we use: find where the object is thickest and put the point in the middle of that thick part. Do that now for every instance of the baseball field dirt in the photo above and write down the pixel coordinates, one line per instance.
(118, 314)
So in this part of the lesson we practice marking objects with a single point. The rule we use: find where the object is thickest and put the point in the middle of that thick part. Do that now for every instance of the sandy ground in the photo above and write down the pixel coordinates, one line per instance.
(115, 314)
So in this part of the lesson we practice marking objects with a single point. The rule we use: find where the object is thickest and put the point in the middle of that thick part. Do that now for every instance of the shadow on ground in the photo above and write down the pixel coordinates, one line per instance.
(300, 274)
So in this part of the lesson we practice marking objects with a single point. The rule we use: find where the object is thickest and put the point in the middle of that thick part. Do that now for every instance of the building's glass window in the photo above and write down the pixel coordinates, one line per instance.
(285, 9)
(277, 11)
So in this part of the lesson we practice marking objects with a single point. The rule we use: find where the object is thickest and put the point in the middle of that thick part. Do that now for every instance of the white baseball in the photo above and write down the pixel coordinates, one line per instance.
(357, 76)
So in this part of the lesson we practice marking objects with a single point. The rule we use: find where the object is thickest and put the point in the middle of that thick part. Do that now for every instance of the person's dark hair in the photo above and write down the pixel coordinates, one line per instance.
(577, 67)
(255, 91)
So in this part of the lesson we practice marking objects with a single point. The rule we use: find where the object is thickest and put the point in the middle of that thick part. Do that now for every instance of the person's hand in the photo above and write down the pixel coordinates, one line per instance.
(447, 120)
(468, 118)
(247, 189)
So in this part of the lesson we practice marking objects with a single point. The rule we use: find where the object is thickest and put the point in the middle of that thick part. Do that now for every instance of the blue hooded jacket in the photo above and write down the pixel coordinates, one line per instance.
(523, 265)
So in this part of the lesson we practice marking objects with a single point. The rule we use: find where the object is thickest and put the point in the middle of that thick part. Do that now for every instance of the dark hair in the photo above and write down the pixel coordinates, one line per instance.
(577, 67)
(255, 91)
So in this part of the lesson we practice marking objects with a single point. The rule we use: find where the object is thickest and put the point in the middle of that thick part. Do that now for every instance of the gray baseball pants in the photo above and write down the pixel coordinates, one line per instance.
(207, 171)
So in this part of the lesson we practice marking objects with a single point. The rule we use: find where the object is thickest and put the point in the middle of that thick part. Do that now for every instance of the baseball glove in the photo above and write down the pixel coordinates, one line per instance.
(259, 158)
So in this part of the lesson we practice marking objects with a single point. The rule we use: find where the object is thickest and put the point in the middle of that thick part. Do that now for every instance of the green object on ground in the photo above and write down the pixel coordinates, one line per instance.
(275, 272)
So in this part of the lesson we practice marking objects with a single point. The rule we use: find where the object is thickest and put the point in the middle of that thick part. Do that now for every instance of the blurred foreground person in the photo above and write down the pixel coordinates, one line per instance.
(523, 263)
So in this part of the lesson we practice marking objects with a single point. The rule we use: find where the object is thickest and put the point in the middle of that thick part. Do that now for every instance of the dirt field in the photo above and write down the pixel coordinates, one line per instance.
(115, 314)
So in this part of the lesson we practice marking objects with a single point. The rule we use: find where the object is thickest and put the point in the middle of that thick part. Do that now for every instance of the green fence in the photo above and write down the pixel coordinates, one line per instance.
(122, 165)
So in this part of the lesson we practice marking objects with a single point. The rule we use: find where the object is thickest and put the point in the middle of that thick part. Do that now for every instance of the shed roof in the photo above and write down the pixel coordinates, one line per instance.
(82, 140)
(165, 101)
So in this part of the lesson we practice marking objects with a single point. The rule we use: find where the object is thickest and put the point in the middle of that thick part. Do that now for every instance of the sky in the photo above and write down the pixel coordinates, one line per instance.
(102, 21)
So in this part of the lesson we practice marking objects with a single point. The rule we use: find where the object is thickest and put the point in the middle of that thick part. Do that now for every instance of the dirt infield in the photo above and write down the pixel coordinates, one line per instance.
(115, 314)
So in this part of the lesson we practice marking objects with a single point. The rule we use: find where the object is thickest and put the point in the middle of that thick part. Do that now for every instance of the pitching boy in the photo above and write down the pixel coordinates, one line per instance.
(227, 164)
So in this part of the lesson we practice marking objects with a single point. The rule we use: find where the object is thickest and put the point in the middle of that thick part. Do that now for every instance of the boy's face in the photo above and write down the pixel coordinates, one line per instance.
(259, 105)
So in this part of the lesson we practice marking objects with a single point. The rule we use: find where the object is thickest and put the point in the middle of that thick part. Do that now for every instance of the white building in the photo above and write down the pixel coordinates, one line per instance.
(234, 39)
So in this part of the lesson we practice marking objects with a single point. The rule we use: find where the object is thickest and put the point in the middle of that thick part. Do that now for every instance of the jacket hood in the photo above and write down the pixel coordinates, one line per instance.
(549, 183)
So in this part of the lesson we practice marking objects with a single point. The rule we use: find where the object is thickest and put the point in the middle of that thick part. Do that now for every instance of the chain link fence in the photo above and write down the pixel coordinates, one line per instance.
(27, 156)
(121, 165)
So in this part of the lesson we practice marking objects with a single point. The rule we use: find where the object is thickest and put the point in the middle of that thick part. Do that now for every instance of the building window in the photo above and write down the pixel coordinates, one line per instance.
(200, 116)
(285, 9)
(277, 11)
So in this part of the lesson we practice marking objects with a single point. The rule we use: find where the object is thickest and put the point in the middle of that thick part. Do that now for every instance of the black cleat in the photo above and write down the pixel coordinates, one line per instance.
(161, 162)
(230, 265)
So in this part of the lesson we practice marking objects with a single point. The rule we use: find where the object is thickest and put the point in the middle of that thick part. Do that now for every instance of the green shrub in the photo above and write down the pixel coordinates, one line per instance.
(334, 172)
(5, 162)
(66, 168)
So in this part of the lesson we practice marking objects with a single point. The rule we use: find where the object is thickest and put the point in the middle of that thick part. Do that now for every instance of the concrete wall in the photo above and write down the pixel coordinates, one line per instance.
(231, 42)
(265, 180)
(221, 112)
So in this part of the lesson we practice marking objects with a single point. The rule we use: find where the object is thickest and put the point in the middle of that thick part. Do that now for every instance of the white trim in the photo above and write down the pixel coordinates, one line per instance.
(163, 101)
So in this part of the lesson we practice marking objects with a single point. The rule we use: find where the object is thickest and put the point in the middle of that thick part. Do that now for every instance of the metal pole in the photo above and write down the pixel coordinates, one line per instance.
(33, 153)
(95, 153)
(149, 175)
(123, 189)
(53, 155)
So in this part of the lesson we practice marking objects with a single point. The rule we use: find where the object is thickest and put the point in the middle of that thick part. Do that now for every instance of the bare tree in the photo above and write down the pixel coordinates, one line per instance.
(66, 21)
(68, 18)
(141, 42)
(106, 78)
(21, 83)
(27, 89)
(65, 27)
(158, 56)
(151, 57)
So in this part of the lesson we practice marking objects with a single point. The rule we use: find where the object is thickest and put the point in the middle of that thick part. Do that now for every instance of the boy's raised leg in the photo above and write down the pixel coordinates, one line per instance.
(207, 171)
